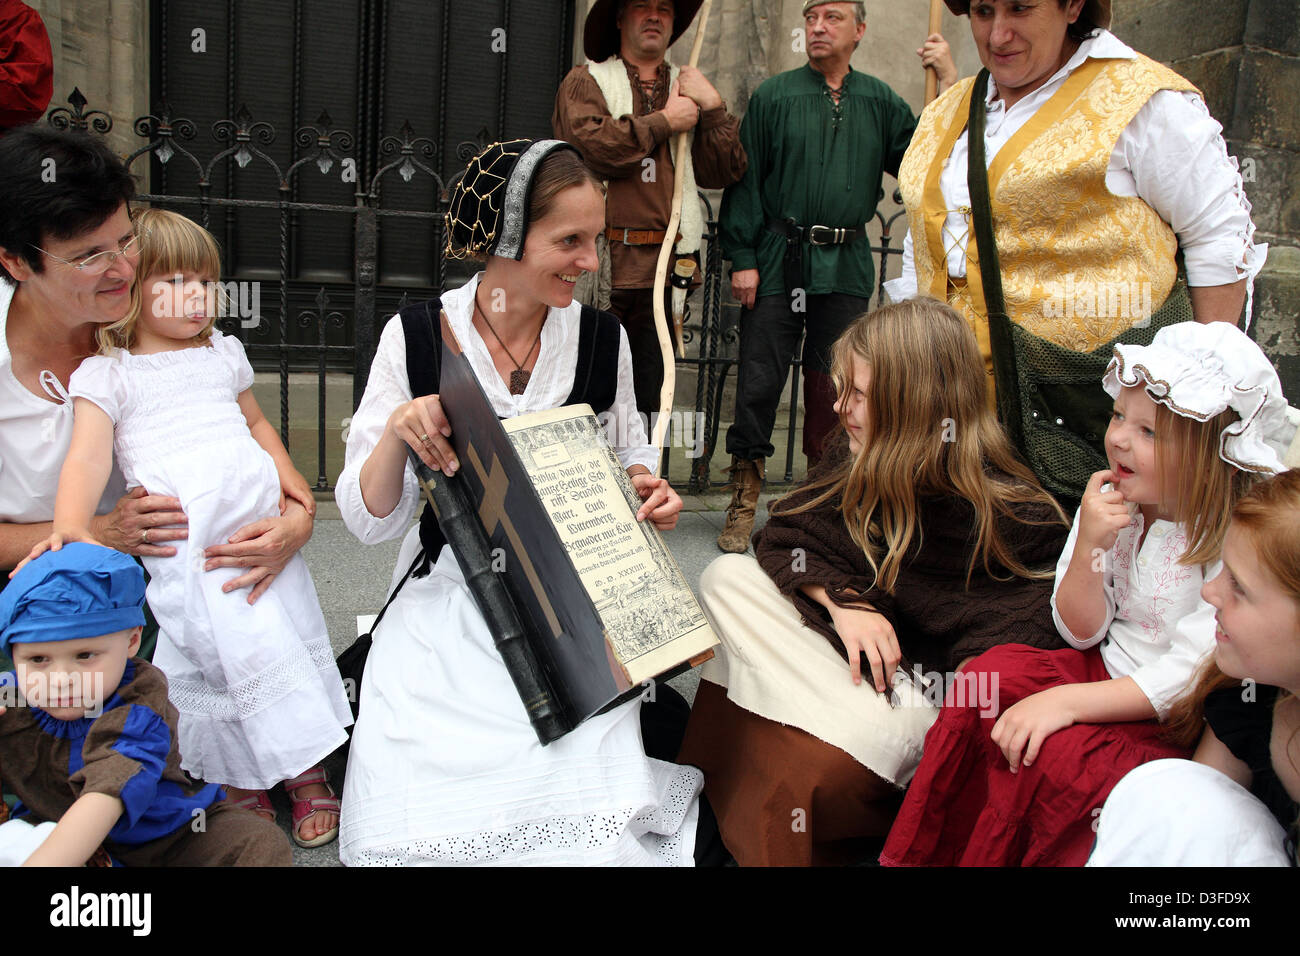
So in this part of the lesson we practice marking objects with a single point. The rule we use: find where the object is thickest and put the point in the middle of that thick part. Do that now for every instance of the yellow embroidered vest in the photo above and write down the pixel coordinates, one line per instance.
(1079, 265)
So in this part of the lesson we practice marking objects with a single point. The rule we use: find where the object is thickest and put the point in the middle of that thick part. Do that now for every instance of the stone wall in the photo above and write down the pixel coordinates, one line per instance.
(102, 47)
(1244, 55)
(750, 41)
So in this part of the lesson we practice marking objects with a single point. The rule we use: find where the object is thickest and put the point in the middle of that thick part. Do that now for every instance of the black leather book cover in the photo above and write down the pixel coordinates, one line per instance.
(559, 618)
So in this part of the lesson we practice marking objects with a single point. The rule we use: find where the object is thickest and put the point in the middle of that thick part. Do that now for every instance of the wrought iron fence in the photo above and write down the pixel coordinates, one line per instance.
(711, 318)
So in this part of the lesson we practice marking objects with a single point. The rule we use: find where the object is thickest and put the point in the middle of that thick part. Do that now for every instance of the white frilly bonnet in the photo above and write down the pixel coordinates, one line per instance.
(1198, 370)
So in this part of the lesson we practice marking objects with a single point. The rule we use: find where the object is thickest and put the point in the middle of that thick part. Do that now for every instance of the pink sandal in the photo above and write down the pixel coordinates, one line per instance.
(306, 806)
(259, 803)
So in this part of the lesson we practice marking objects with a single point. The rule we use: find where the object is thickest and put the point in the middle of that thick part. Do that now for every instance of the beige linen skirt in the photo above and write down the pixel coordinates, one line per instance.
(801, 765)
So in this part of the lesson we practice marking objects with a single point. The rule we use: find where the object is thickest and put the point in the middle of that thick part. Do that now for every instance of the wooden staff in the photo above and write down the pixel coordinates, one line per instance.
(665, 253)
(931, 74)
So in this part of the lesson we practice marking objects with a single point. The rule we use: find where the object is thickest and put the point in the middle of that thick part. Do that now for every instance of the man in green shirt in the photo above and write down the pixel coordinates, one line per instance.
(818, 139)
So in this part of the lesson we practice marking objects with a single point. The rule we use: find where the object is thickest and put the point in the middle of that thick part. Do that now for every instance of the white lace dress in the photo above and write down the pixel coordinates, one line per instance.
(259, 696)
(444, 766)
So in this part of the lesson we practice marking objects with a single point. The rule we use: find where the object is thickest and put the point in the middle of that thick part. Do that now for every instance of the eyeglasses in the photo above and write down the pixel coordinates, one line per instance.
(98, 263)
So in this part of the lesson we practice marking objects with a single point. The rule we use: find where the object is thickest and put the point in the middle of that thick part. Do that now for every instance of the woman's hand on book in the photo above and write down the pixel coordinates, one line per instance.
(660, 504)
(423, 426)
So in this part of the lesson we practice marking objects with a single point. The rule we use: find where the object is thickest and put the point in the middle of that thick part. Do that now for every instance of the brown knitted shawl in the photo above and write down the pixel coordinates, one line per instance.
(938, 620)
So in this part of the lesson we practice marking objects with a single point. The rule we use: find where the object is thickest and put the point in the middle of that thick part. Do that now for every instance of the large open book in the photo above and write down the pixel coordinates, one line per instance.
(602, 603)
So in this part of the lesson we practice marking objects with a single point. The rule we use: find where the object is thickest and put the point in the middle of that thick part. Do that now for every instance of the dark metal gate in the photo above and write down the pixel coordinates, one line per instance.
(343, 224)
(399, 78)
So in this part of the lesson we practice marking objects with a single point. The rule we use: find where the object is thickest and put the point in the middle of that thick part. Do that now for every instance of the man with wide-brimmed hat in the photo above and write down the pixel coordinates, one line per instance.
(622, 109)
(819, 139)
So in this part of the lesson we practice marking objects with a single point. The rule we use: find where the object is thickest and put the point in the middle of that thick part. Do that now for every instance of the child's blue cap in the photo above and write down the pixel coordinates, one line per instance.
(81, 590)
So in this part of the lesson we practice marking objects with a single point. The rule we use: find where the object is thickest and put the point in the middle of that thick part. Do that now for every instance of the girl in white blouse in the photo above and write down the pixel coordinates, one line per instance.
(1197, 414)
(1237, 802)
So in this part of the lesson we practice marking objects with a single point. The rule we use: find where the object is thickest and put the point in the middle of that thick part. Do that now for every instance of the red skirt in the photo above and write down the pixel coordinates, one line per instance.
(966, 808)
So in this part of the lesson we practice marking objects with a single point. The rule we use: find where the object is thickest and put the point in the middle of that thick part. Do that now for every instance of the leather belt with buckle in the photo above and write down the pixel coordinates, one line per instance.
(817, 235)
(831, 235)
(637, 237)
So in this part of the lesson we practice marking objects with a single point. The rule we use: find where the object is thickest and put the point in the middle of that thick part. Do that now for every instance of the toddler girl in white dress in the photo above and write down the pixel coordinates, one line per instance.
(259, 696)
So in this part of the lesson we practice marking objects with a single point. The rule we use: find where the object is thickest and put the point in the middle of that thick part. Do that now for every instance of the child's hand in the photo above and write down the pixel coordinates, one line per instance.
(1102, 514)
(295, 487)
(54, 542)
(1024, 726)
(868, 632)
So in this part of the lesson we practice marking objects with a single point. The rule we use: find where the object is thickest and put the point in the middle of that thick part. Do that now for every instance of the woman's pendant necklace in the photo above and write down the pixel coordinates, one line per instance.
(519, 377)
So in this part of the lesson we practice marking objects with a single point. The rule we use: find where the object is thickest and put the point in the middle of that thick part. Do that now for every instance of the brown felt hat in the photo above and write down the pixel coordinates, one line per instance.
(600, 36)
(1095, 12)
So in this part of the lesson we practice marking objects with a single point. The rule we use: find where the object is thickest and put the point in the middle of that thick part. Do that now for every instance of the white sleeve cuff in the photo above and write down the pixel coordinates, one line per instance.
(904, 287)
(628, 436)
(899, 290)
(1068, 636)
(386, 389)
(358, 519)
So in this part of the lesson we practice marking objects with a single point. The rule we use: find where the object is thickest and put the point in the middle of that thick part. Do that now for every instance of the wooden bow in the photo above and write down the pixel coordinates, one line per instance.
(665, 254)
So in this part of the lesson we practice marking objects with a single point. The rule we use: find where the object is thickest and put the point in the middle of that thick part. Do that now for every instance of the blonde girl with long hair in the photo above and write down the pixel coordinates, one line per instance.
(919, 542)
(1198, 414)
(260, 699)
(1237, 802)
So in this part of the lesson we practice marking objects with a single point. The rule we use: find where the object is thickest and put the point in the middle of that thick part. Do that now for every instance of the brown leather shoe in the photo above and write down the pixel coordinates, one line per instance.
(746, 485)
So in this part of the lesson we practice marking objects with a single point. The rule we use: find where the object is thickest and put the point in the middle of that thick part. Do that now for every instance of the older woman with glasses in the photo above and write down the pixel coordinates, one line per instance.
(67, 263)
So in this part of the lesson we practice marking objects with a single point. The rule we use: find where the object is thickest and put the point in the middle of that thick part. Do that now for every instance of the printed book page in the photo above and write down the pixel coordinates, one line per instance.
(651, 617)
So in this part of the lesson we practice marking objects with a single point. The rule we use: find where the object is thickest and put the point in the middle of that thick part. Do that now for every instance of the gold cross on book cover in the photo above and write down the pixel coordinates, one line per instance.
(600, 602)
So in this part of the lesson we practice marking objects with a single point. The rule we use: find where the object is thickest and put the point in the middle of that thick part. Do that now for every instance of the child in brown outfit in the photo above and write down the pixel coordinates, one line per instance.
(91, 743)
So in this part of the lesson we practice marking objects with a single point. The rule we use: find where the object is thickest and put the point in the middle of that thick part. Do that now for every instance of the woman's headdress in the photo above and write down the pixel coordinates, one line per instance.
(488, 214)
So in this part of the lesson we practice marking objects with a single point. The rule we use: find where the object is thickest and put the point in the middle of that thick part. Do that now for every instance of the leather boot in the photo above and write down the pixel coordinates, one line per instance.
(746, 484)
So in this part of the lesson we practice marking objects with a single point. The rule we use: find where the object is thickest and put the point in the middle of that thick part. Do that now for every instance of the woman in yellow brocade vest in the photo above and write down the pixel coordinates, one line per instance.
(1104, 169)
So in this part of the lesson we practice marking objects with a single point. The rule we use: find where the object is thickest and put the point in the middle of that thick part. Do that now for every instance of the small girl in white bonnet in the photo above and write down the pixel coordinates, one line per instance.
(1199, 413)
